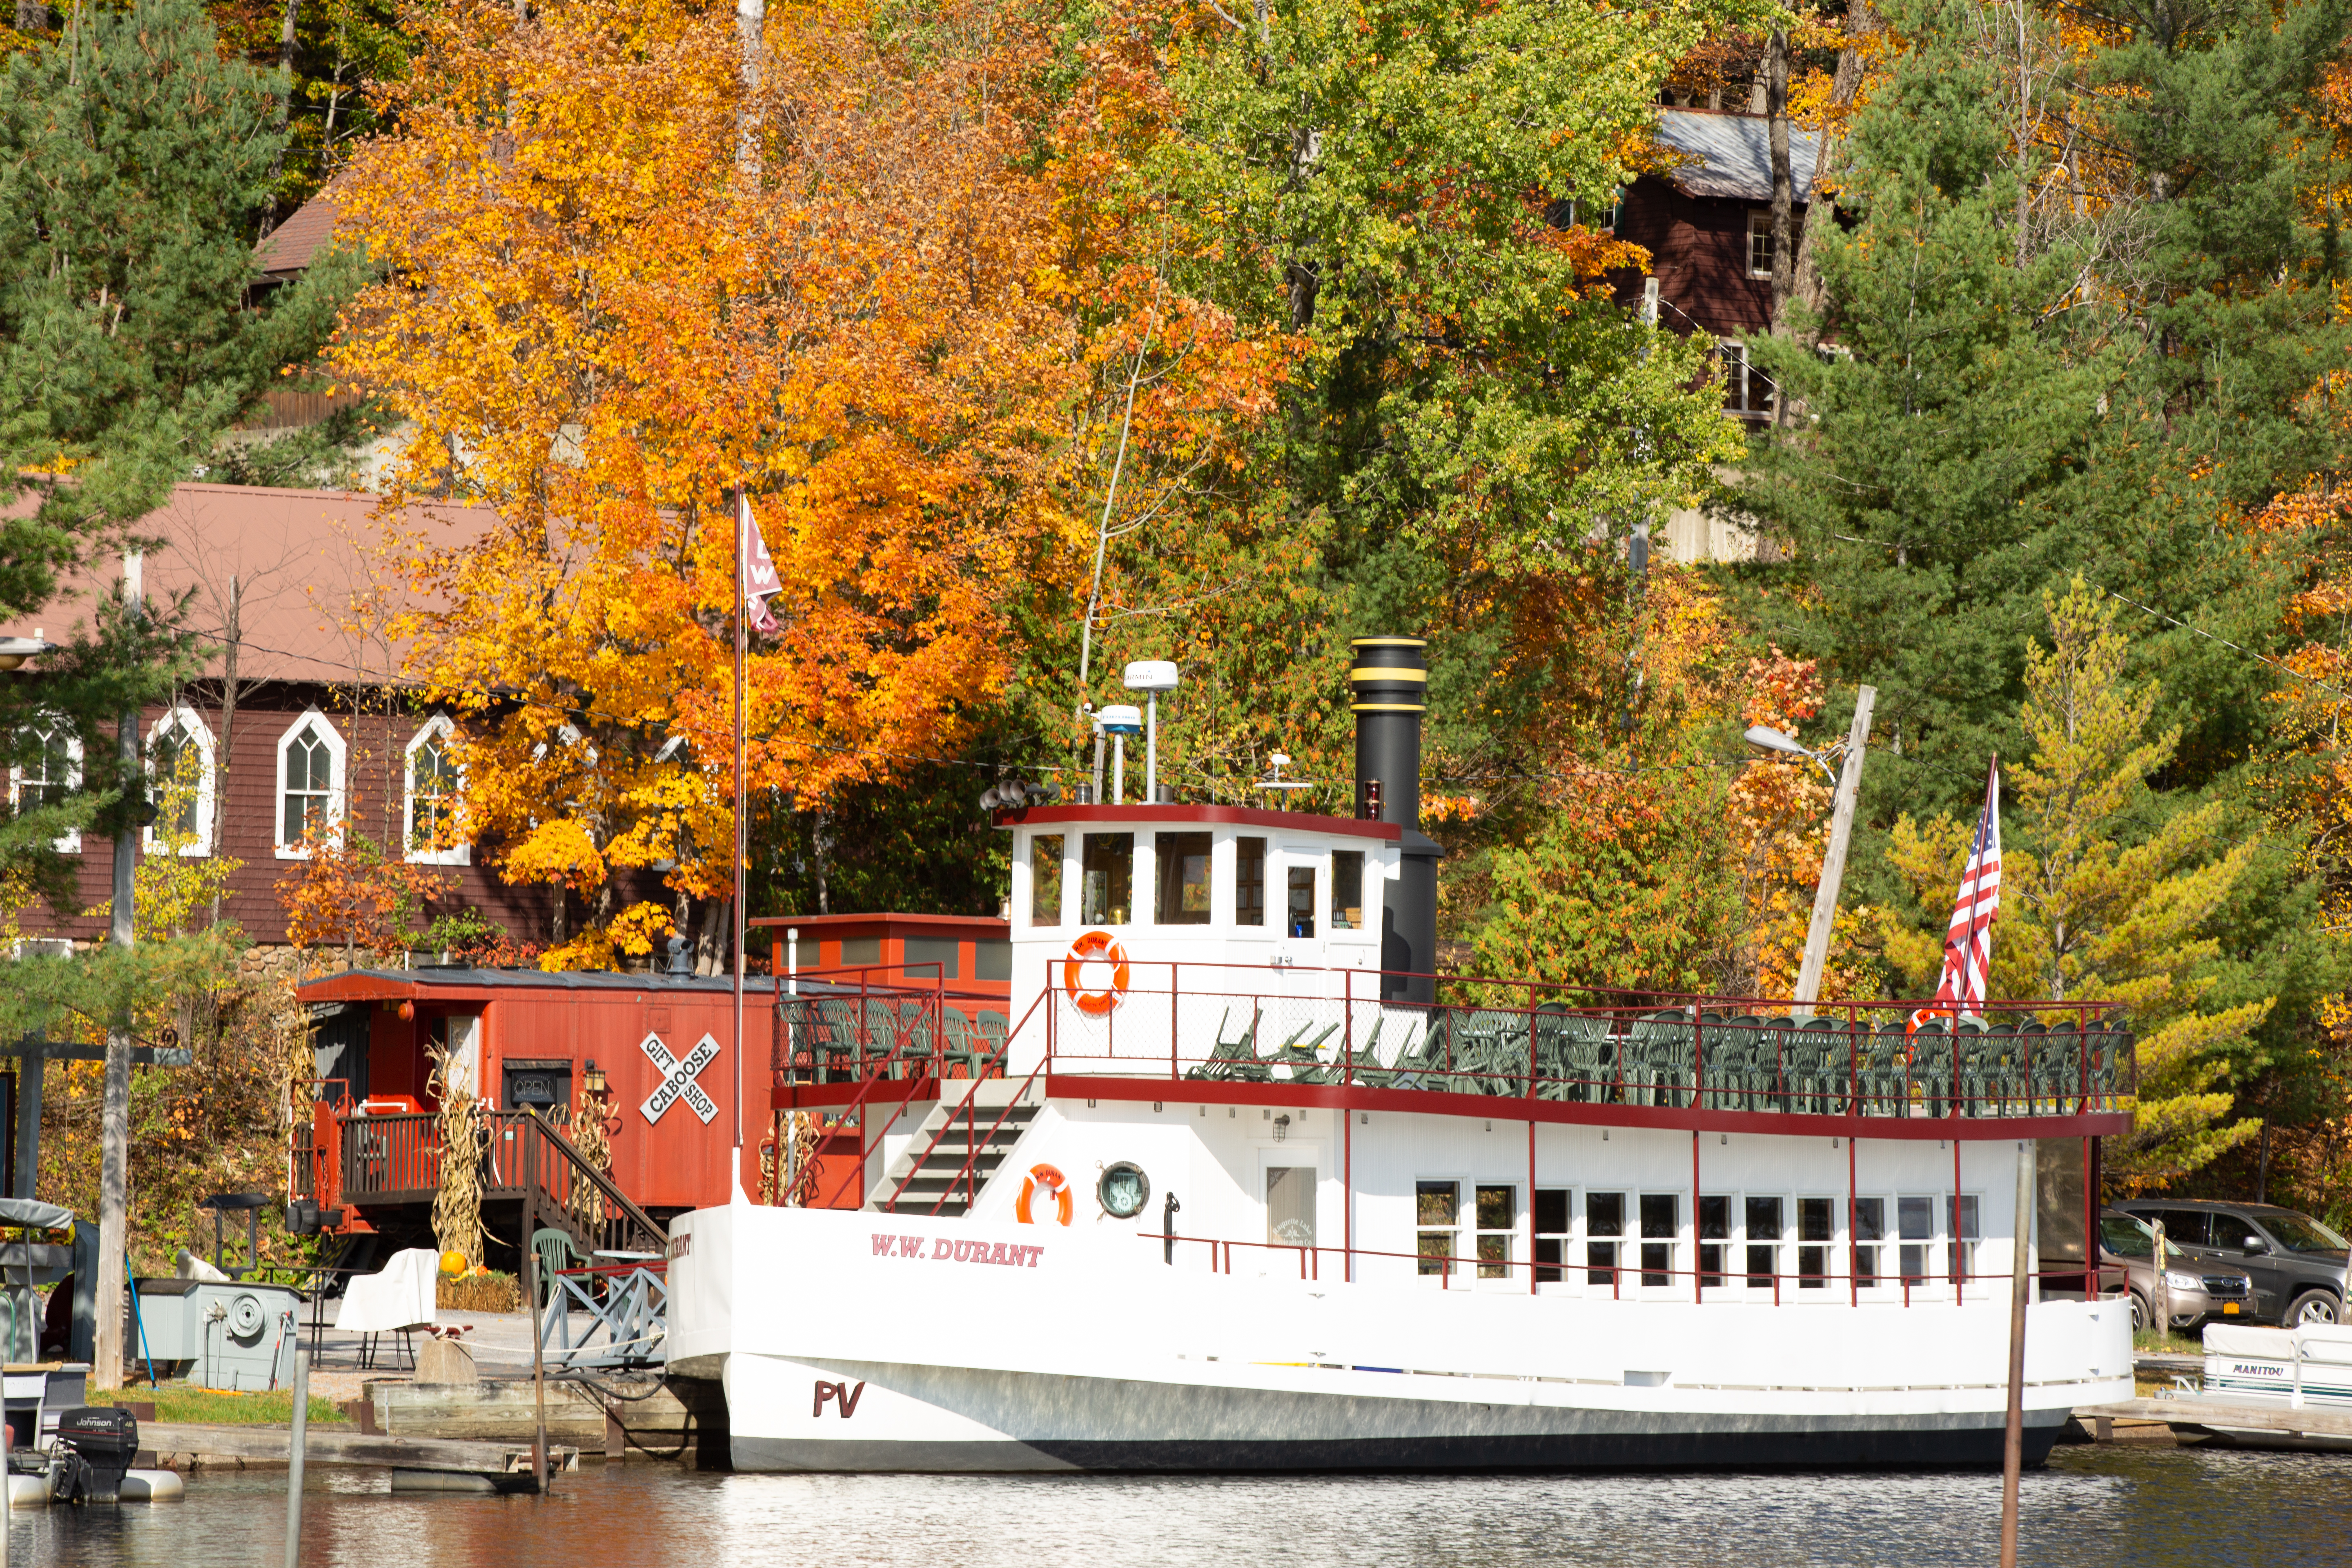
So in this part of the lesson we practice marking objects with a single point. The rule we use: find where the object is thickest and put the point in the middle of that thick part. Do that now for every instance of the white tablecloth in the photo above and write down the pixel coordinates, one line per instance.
(398, 1296)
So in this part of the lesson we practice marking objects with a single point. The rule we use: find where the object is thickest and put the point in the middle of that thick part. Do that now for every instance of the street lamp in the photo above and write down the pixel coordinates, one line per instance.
(1771, 739)
(14, 651)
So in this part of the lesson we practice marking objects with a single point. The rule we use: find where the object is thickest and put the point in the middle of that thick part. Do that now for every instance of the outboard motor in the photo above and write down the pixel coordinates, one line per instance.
(102, 1440)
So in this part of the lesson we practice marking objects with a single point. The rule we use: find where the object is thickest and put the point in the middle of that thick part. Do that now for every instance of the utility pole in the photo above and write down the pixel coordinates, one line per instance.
(1825, 897)
(2012, 1440)
(115, 1125)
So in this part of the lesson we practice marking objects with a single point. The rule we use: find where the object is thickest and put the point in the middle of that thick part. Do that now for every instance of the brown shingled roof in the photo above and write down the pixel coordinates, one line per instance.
(292, 245)
(309, 564)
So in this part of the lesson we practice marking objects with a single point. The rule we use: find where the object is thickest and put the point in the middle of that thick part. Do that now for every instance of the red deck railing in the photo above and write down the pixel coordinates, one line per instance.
(1205, 1023)
(1652, 1278)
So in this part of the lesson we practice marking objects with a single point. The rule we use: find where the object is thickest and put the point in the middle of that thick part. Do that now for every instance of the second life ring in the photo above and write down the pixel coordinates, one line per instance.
(1056, 1185)
(1094, 947)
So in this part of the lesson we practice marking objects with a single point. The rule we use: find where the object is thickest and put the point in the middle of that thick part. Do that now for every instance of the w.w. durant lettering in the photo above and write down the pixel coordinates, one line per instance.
(948, 1249)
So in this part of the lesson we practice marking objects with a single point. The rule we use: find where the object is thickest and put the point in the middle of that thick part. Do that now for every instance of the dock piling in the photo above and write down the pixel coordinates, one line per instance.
(294, 1457)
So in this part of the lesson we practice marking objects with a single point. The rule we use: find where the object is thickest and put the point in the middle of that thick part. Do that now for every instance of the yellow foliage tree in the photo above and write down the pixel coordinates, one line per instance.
(2094, 906)
(618, 284)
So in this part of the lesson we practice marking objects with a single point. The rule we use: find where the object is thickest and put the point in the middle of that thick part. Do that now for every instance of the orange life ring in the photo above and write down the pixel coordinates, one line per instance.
(1094, 947)
(1054, 1182)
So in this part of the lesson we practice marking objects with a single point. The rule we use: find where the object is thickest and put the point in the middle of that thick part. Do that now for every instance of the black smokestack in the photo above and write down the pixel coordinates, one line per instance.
(1390, 684)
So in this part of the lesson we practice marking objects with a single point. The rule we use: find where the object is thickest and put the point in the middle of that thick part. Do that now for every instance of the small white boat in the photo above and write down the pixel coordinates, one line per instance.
(2304, 1368)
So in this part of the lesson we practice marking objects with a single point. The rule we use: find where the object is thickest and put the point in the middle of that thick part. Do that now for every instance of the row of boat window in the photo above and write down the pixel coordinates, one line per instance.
(1745, 1240)
(1181, 885)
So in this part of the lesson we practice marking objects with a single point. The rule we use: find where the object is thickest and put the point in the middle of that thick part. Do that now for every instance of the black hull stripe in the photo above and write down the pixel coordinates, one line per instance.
(1886, 1448)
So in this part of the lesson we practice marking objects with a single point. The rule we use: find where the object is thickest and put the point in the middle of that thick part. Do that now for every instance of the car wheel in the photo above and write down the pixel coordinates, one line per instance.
(2141, 1314)
(2313, 1307)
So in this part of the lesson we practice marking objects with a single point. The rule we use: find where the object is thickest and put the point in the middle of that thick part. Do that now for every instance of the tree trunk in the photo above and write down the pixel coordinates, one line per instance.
(1861, 21)
(32, 17)
(285, 112)
(233, 633)
(1784, 193)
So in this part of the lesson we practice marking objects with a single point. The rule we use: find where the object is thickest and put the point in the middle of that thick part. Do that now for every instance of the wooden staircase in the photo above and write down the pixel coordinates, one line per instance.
(941, 1172)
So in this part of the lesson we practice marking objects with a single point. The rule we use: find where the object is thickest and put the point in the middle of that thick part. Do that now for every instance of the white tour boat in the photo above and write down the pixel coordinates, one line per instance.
(1247, 1188)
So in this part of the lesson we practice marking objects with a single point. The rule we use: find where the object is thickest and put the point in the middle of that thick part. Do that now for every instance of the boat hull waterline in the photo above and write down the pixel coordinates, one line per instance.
(856, 1342)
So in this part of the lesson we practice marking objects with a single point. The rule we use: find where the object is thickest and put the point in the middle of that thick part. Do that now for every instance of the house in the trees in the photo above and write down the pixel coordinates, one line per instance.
(299, 717)
(1706, 222)
(1708, 226)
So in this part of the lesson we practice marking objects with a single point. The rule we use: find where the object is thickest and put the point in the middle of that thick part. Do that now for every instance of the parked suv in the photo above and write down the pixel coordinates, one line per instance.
(2196, 1285)
(2297, 1264)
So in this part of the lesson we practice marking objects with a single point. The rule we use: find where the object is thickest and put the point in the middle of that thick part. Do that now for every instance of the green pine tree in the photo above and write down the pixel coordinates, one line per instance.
(2109, 889)
(131, 160)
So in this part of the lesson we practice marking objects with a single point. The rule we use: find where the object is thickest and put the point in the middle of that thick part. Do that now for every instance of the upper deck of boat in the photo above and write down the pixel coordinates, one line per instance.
(1222, 1034)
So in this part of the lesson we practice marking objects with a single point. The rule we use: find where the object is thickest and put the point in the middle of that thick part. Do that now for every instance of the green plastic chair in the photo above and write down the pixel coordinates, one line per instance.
(555, 1253)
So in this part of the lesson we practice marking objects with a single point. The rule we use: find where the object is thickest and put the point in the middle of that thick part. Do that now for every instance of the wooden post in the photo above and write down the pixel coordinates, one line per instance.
(538, 1311)
(2163, 1324)
(2012, 1444)
(31, 1068)
(294, 1457)
(1825, 897)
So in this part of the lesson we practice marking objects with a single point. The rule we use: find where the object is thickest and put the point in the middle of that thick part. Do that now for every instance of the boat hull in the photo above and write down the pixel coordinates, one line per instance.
(847, 1341)
(1125, 1425)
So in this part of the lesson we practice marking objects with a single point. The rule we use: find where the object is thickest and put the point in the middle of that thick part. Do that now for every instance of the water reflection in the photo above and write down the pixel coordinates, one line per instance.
(2091, 1506)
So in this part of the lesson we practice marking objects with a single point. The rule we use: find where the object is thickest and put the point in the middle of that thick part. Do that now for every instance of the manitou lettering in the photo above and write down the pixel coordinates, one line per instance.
(948, 1249)
(844, 1397)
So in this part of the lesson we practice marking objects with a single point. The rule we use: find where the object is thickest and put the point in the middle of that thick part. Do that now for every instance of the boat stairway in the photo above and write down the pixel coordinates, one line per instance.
(941, 1172)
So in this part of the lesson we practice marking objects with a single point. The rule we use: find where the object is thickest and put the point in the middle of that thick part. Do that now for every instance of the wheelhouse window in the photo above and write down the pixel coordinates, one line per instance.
(1763, 1232)
(1105, 875)
(1348, 890)
(1714, 1237)
(1914, 1223)
(1551, 1234)
(1438, 1215)
(1498, 1225)
(1182, 860)
(1661, 1228)
(1963, 1222)
(1249, 882)
(1869, 1230)
(1299, 917)
(1604, 1223)
(1045, 880)
(431, 793)
(1816, 1231)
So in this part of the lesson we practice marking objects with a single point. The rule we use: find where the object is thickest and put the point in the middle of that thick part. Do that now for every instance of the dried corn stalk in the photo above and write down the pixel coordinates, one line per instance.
(800, 1180)
(595, 1145)
(458, 1203)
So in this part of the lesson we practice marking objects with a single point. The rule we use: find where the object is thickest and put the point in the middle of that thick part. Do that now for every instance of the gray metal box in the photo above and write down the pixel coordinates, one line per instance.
(237, 1336)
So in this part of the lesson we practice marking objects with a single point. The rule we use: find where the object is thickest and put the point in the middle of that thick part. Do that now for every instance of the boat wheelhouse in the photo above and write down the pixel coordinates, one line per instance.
(1241, 1189)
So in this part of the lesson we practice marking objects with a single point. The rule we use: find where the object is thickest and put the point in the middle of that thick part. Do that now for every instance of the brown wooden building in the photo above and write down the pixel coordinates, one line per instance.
(298, 717)
(1707, 225)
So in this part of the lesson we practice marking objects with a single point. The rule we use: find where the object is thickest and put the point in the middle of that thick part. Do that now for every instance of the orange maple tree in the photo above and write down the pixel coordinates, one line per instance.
(606, 303)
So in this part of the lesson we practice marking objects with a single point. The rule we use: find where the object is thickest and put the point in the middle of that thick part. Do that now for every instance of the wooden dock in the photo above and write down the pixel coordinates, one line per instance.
(2333, 1421)
(188, 1446)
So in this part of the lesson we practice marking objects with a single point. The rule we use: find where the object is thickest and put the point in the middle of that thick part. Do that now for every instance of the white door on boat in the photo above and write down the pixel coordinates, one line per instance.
(1290, 1205)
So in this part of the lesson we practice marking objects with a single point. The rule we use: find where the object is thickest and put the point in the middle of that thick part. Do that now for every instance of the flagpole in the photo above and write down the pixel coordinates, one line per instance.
(735, 958)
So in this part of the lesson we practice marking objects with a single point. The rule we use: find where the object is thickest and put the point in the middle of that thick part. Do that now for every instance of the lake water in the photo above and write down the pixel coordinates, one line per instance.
(2149, 1507)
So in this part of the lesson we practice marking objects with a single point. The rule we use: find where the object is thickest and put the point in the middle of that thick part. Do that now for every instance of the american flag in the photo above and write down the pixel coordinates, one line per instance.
(1967, 944)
